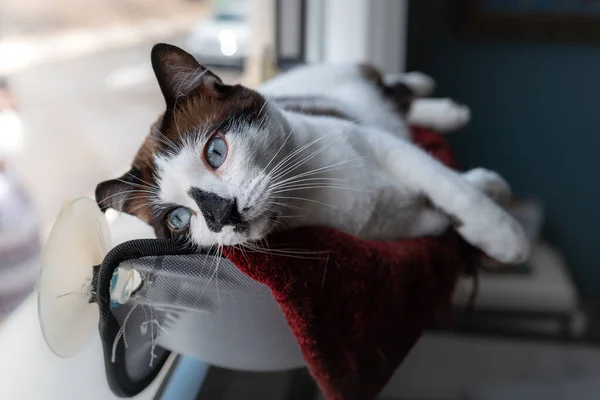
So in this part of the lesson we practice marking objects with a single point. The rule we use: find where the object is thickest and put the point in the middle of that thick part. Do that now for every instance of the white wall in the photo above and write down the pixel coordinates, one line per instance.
(358, 31)
(290, 14)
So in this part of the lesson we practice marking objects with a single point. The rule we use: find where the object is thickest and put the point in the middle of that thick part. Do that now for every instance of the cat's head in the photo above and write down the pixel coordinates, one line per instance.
(203, 172)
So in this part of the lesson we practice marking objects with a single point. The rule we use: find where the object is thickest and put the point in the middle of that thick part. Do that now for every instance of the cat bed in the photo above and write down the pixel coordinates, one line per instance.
(348, 309)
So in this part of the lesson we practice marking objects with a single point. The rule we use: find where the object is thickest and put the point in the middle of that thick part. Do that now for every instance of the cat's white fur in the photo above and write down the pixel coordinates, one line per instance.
(384, 175)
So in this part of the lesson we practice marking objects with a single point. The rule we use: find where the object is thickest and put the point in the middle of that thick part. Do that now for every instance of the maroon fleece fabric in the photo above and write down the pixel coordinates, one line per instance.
(357, 310)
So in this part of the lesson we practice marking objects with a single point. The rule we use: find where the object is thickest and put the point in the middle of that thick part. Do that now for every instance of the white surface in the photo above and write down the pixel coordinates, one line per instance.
(30, 371)
(343, 44)
(315, 20)
(290, 15)
(377, 33)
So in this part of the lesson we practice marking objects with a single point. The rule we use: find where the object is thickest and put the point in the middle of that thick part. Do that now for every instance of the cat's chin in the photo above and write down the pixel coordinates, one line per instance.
(257, 230)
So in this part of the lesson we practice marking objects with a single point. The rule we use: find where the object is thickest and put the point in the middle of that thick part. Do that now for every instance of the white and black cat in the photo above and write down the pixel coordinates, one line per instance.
(317, 146)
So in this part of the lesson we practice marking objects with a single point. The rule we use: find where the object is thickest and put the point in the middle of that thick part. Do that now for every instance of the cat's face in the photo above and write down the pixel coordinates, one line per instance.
(205, 171)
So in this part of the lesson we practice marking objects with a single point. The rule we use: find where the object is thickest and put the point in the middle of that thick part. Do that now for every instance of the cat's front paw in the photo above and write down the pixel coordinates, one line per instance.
(442, 115)
(490, 183)
(501, 238)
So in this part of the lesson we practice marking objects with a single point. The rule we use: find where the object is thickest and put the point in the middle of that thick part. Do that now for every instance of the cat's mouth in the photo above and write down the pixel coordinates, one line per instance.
(261, 225)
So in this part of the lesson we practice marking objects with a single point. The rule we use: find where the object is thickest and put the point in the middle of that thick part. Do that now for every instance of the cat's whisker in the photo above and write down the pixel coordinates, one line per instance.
(305, 255)
(166, 141)
(290, 206)
(220, 124)
(307, 181)
(291, 251)
(314, 180)
(137, 198)
(220, 250)
(305, 199)
(294, 189)
(242, 250)
(293, 186)
(104, 200)
(150, 185)
(301, 162)
(279, 150)
(137, 185)
(263, 107)
(284, 164)
(297, 164)
(176, 120)
(321, 170)
(139, 207)
(265, 243)
(289, 216)
(343, 164)
(289, 158)
(149, 201)
(216, 268)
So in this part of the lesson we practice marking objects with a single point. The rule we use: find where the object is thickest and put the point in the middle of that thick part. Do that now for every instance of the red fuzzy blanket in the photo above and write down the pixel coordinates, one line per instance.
(357, 311)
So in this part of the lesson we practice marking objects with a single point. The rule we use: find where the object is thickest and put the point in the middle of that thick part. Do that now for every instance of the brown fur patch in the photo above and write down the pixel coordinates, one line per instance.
(400, 94)
(371, 73)
(212, 111)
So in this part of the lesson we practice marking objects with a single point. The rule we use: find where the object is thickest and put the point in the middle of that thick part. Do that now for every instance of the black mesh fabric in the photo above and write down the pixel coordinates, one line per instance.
(194, 303)
(128, 368)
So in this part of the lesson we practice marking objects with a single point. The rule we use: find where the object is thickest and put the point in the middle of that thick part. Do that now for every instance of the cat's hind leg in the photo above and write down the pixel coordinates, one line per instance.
(442, 115)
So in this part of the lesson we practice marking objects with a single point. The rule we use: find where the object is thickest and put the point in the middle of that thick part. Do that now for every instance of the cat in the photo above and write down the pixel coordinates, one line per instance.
(322, 145)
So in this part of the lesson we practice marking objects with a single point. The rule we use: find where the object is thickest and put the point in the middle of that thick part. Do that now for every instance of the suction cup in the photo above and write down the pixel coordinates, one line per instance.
(78, 241)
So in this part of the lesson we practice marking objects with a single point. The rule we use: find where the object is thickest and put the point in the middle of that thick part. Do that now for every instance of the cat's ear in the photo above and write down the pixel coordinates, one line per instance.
(179, 73)
(124, 194)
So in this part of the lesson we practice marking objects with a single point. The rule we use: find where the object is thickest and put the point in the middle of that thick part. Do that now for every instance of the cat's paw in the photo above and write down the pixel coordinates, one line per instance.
(420, 84)
(500, 237)
(442, 115)
(490, 183)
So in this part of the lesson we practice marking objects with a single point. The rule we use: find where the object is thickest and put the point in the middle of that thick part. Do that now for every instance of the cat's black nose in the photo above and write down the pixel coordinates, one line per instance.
(217, 211)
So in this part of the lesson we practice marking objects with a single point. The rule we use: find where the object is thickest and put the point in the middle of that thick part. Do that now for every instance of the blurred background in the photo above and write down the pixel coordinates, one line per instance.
(77, 96)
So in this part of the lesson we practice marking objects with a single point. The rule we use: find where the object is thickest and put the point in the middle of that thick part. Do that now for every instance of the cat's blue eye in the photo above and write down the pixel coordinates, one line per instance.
(179, 218)
(215, 151)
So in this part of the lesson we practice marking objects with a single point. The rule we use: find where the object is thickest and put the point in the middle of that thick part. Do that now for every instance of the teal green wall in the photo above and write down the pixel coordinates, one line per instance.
(536, 120)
